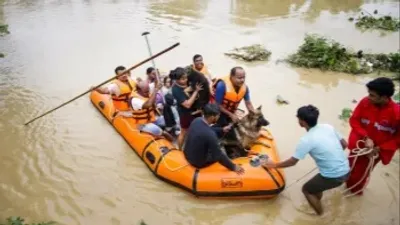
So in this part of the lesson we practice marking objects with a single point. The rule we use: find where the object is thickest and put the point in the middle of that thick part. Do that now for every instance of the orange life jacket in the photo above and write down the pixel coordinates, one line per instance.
(121, 102)
(143, 116)
(204, 70)
(232, 98)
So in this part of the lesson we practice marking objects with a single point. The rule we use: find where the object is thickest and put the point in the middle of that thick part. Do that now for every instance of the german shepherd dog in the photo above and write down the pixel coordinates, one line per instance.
(246, 133)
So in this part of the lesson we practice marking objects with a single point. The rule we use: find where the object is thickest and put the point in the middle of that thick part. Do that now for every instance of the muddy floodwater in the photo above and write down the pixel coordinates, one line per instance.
(72, 167)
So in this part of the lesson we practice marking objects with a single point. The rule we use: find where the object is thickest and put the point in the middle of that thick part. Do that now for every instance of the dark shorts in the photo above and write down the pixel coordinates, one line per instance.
(186, 119)
(318, 183)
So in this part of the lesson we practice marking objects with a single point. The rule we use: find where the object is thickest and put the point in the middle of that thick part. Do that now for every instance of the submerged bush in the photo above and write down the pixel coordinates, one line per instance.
(319, 52)
(4, 29)
(346, 114)
(396, 97)
(19, 221)
(380, 23)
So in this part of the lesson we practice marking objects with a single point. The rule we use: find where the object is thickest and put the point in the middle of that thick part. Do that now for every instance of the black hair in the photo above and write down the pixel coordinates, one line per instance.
(383, 86)
(165, 80)
(196, 56)
(233, 70)
(119, 68)
(149, 70)
(211, 109)
(177, 73)
(308, 114)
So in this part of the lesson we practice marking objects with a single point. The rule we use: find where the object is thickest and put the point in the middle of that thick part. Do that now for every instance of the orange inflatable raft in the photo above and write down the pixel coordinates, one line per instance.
(169, 164)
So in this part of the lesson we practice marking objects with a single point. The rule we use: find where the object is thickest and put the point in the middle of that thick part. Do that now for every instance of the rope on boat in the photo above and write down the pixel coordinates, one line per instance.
(358, 152)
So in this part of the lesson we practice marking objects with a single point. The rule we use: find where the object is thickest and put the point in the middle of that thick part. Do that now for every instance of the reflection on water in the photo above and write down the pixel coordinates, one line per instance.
(247, 12)
(334, 7)
(330, 80)
(178, 11)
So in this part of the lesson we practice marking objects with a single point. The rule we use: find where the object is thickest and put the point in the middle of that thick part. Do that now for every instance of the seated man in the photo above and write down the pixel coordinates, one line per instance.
(201, 147)
(120, 89)
(151, 74)
(326, 146)
(143, 106)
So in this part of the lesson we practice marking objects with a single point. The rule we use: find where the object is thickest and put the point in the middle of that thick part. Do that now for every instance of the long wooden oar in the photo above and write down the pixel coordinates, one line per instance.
(133, 67)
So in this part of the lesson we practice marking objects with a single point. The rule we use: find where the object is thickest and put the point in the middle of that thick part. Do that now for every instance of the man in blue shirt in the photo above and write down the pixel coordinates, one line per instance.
(325, 145)
(229, 92)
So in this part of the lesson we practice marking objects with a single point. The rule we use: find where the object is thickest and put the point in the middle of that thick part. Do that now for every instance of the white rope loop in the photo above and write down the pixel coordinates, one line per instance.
(357, 152)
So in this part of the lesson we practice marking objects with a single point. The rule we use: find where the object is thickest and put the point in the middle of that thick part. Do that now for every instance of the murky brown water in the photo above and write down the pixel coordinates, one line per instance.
(72, 167)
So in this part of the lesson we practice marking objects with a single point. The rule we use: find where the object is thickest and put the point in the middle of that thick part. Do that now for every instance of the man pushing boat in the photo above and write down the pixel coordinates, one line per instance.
(326, 146)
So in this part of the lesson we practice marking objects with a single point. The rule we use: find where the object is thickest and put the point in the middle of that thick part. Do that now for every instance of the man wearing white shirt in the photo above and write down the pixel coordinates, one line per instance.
(120, 89)
(144, 111)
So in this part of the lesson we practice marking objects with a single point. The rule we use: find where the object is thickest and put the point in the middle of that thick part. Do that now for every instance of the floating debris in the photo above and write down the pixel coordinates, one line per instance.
(250, 53)
(4, 29)
(281, 100)
(346, 114)
(387, 23)
(2, 55)
(387, 174)
(319, 52)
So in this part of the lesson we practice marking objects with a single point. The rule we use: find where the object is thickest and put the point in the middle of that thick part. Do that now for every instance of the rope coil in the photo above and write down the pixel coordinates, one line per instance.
(361, 152)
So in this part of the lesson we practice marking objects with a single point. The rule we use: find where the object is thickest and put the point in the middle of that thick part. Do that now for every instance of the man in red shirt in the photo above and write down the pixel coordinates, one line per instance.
(376, 120)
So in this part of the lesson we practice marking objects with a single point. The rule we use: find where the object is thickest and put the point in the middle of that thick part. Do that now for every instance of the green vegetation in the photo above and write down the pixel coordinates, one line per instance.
(19, 221)
(387, 23)
(346, 114)
(319, 52)
(4, 29)
(396, 97)
(250, 53)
